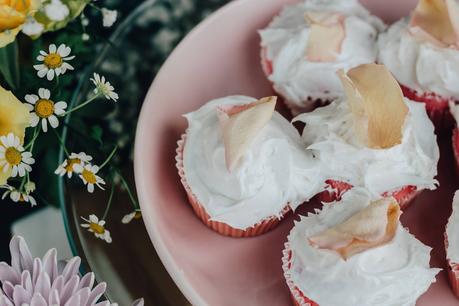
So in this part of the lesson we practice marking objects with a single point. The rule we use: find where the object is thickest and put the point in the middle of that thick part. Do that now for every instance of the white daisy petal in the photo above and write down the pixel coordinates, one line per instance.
(34, 119)
(32, 99)
(42, 73)
(52, 48)
(53, 121)
(44, 125)
(50, 75)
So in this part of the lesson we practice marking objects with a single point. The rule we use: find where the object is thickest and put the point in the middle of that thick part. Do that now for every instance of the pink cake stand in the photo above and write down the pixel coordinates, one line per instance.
(221, 57)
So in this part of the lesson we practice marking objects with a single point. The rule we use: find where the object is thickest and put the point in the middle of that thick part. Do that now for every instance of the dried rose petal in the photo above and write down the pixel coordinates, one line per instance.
(373, 226)
(376, 100)
(240, 125)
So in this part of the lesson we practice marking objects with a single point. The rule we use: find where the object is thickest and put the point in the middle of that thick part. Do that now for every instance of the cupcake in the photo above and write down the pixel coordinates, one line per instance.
(243, 165)
(356, 252)
(305, 45)
(422, 52)
(452, 245)
(373, 138)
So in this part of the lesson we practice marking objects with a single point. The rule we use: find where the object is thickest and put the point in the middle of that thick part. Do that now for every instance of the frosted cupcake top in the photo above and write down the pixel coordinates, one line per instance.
(335, 135)
(285, 43)
(274, 171)
(329, 132)
(393, 274)
(452, 232)
(421, 60)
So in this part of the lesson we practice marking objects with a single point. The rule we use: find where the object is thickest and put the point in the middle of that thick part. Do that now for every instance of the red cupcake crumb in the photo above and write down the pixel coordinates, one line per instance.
(437, 107)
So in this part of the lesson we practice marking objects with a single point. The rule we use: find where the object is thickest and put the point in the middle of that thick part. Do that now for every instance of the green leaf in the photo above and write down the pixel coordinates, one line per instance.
(9, 64)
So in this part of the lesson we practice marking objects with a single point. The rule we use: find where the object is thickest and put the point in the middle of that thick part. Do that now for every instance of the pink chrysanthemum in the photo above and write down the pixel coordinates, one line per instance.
(43, 282)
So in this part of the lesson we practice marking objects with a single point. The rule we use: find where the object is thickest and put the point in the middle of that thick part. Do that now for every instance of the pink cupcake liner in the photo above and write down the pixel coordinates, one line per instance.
(260, 228)
(453, 272)
(404, 196)
(298, 297)
(437, 108)
(295, 109)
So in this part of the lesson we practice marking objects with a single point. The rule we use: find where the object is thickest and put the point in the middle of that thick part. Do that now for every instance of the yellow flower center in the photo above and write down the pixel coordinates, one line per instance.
(44, 108)
(89, 176)
(53, 60)
(70, 163)
(138, 215)
(13, 156)
(99, 229)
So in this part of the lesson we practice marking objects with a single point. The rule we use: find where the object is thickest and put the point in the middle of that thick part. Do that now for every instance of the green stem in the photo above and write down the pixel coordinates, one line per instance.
(128, 189)
(81, 105)
(108, 158)
(110, 200)
(34, 137)
(61, 142)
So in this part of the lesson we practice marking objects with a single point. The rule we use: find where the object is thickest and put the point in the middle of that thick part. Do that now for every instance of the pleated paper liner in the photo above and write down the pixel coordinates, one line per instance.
(453, 271)
(298, 298)
(260, 228)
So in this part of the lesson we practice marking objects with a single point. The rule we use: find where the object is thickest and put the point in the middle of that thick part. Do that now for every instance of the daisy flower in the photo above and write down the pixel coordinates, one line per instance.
(108, 17)
(18, 196)
(90, 178)
(54, 62)
(96, 226)
(13, 157)
(42, 108)
(136, 214)
(56, 10)
(73, 164)
(104, 87)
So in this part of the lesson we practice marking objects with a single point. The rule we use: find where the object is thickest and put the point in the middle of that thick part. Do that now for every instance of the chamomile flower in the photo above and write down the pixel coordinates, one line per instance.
(56, 10)
(104, 87)
(96, 226)
(90, 178)
(54, 62)
(108, 17)
(42, 108)
(136, 214)
(73, 164)
(18, 196)
(12, 156)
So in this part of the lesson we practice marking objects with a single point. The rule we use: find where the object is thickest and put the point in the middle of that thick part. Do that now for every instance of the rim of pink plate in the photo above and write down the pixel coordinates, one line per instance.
(141, 171)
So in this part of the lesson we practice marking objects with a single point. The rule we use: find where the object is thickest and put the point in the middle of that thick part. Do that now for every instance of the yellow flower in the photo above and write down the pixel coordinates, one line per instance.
(14, 118)
(13, 15)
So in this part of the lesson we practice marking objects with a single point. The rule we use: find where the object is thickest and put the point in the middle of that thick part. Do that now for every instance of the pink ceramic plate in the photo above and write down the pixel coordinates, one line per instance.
(221, 57)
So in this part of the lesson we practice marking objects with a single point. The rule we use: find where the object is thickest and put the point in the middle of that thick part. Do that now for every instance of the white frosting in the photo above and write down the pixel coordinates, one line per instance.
(452, 232)
(276, 170)
(395, 274)
(329, 131)
(417, 64)
(285, 40)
